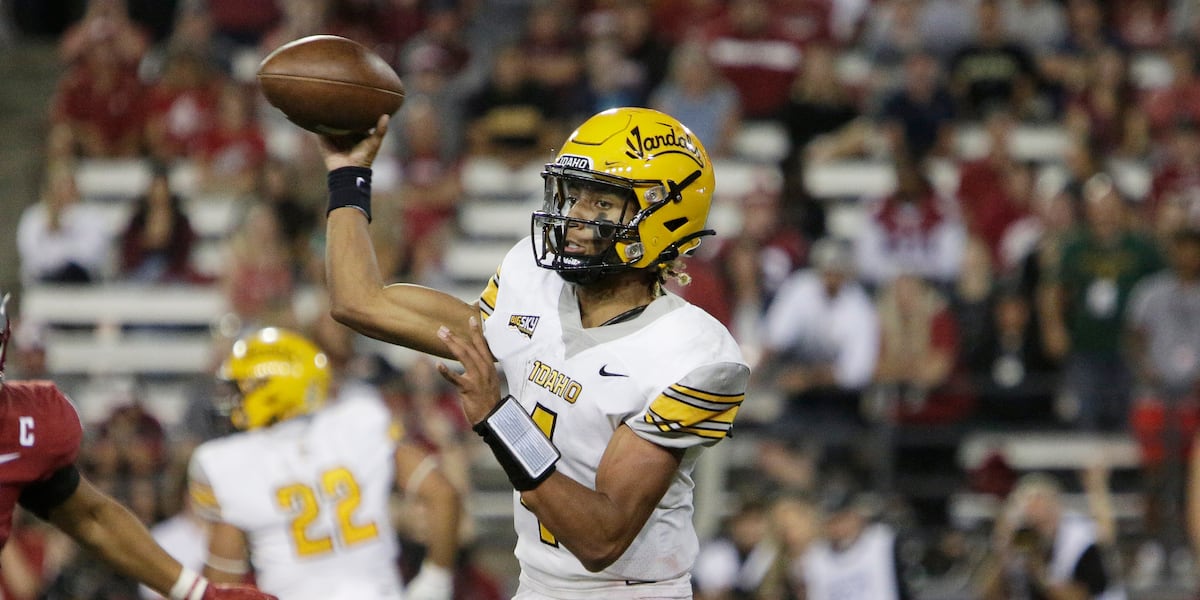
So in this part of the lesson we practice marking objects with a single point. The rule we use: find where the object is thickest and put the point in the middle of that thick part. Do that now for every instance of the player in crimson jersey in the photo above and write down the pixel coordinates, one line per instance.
(39, 442)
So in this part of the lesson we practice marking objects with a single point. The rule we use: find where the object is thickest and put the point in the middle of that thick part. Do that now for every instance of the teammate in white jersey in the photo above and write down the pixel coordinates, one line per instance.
(615, 385)
(301, 496)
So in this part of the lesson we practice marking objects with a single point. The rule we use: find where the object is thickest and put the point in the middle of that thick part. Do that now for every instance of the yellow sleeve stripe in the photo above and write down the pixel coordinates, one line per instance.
(683, 409)
(203, 496)
(713, 428)
(683, 391)
(672, 396)
(487, 300)
(689, 412)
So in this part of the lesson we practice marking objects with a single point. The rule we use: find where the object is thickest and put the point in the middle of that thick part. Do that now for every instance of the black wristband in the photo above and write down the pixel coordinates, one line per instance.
(523, 451)
(350, 186)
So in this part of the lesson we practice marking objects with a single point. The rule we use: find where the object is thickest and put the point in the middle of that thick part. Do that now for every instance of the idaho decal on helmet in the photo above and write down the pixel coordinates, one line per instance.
(276, 375)
(649, 160)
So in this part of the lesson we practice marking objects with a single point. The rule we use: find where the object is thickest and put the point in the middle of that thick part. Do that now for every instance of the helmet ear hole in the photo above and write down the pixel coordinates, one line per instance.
(675, 224)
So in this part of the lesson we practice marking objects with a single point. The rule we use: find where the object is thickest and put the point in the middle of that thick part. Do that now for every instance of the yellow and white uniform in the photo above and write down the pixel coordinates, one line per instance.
(673, 374)
(311, 494)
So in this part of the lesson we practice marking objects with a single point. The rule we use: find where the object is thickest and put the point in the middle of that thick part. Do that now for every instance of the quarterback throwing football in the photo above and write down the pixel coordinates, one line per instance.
(614, 384)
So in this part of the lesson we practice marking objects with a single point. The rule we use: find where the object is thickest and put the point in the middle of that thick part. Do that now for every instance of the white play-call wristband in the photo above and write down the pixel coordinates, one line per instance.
(515, 429)
(189, 586)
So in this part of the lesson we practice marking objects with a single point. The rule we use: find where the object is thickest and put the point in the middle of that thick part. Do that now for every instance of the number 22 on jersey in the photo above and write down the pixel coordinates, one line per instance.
(337, 491)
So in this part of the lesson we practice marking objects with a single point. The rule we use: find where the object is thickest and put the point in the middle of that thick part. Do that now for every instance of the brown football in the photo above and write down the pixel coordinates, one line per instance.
(330, 85)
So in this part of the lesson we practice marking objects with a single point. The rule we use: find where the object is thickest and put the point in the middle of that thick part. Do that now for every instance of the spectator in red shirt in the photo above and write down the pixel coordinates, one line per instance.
(756, 56)
(1174, 199)
(230, 154)
(99, 104)
(182, 105)
(995, 191)
(1178, 100)
(919, 354)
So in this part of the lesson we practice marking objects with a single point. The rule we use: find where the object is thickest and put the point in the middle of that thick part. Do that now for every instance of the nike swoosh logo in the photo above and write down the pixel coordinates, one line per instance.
(11, 456)
(604, 372)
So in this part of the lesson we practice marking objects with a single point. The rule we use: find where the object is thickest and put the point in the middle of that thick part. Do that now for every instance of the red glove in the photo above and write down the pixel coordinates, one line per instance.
(224, 591)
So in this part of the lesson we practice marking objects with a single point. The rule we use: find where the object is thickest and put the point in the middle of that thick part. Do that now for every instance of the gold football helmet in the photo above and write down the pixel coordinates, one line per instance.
(641, 155)
(276, 375)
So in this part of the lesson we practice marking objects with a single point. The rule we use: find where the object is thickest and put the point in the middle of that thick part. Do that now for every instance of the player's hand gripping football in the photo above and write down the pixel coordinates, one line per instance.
(353, 151)
(479, 384)
(224, 591)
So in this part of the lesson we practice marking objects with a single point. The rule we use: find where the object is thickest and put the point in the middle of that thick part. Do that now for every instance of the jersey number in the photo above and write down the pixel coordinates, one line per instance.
(337, 491)
(545, 418)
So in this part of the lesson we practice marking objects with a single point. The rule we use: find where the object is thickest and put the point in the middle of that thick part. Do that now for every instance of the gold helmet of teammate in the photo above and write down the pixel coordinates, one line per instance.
(276, 375)
(640, 154)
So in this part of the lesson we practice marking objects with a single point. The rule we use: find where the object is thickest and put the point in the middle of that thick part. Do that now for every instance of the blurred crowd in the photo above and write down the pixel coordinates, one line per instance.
(999, 285)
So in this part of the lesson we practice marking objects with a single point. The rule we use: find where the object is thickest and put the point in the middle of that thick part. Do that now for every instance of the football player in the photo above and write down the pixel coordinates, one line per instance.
(614, 384)
(40, 434)
(301, 495)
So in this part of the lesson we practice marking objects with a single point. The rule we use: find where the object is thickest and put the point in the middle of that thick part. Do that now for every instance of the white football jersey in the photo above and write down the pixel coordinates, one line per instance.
(311, 494)
(673, 374)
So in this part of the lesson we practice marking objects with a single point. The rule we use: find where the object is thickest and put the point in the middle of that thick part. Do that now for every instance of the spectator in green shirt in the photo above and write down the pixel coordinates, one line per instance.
(1084, 305)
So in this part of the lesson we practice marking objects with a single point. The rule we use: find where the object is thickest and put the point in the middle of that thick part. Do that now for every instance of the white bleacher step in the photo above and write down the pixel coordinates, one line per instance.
(761, 142)
(131, 354)
(123, 304)
(210, 216)
(474, 261)
(737, 179)
(115, 179)
(1052, 450)
(1039, 143)
(214, 216)
(122, 179)
(850, 179)
(486, 219)
(484, 177)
